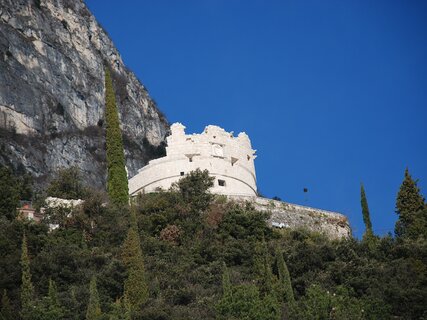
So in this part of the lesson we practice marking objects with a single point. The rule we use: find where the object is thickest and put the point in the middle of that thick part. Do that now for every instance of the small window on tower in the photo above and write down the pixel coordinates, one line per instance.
(190, 159)
(221, 183)
(249, 157)
(182, 173)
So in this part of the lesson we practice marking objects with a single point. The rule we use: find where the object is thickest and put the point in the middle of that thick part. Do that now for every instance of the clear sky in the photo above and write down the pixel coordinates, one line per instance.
(331, 93)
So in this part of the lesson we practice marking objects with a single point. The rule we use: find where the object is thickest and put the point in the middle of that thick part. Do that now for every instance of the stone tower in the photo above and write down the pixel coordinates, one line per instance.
(229, 159)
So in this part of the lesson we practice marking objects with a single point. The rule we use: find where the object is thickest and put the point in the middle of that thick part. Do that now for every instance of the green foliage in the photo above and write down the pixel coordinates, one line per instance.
(135, 287)
(366, 216)
(27, 289)
(6, 312)
(120, 310)
(194, 190)
(226, 282)
(410, 207)
(67, 184)
(117, 183)
(246, 303)
(73, 306)
(184, 277)
(93, 311)
(49, 307)
(54, 308)
(25, 187)
(315, 305)
(263, 263)
(285, 291)
(154, 152)
(322, 304)
(9, 194)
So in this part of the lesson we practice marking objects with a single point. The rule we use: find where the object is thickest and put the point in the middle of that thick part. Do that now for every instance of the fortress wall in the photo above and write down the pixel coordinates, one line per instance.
(227, 158)
(286, 215)
(161, 174)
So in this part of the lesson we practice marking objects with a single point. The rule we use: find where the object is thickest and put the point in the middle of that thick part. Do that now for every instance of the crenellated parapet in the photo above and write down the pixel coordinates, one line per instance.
(229, 159)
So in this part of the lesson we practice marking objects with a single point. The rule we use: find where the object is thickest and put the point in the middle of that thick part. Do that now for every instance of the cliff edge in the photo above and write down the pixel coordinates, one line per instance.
(52, 56)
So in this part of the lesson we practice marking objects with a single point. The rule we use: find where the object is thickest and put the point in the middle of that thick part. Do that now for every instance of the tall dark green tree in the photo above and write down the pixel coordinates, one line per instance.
(93, 311)
(49, 307)
(366, 215)
(263, 266)
(285, 285)
(117, 183)
(410, 207)
(135, 286)
(247, 303)
(6, 312)
(54, 306)
(226, 283)
(27, 289)
(67, 184)
(120, 310)
(9, 194)
(73, 305)
(194, 189)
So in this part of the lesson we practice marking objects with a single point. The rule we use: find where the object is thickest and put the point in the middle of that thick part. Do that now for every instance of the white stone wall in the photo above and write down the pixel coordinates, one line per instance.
(227, 158)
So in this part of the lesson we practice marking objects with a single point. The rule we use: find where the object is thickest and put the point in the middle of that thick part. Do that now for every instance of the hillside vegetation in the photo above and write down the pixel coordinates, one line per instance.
(186, 254)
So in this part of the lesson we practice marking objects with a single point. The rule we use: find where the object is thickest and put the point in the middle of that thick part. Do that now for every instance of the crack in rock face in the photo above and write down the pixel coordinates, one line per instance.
(52, 57)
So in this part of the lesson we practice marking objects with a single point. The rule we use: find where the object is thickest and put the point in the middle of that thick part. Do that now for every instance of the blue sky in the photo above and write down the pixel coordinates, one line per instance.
(331, 93)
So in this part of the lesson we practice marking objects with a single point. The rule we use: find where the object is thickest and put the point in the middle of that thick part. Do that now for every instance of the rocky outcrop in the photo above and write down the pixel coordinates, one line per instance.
(284, 215)
(52, 56)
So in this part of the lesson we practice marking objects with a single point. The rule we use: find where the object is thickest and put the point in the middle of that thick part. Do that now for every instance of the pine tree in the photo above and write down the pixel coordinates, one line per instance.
(6, 312)
(93, 309)
(54, 307)
(366, 215)
(135, 286)
(285, 285)
(117, 184)
(27, 289)
(409, 207)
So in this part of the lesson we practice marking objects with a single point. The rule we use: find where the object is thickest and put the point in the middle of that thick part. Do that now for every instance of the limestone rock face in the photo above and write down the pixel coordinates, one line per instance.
(52, 56)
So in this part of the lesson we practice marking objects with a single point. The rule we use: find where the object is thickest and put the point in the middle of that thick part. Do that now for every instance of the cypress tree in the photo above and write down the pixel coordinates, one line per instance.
(120, 311)
(226, 283)
(27, 289)
(6, 312)
(366, 215)
(93, 309)
(73, 307)
(117, 183)
(409, 207)
(268, 274)
(263, 266)
(9, 195)
(285, 285)
(54, 307)
(135, 286)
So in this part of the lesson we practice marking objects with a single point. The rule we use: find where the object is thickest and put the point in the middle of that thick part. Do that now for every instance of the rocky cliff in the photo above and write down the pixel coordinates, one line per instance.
(52, 56)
